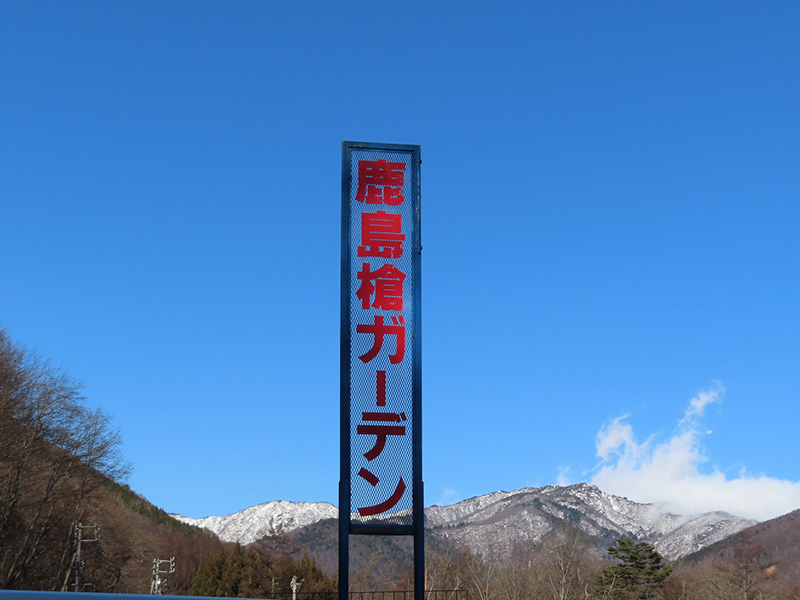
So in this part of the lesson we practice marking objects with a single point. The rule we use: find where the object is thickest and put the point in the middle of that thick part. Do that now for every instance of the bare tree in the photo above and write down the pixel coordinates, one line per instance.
(53, 453)
(746, 575)
(483, 569)
(566, 566)
(447, 568)
(517, 578)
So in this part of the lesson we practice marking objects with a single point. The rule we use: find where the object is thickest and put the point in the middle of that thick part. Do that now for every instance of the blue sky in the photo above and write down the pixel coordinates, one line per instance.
(609, 219)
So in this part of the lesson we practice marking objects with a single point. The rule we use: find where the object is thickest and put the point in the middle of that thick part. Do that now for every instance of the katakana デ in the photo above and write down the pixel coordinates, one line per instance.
(381, 432)
(379, 330)
(380, 182)
(381, 235)
(388, 287)
(387, 504)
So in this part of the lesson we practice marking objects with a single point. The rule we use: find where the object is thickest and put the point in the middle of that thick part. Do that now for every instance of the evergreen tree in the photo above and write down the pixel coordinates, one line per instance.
(233, 572)
(314, 580)
(209, 574)
(250, 572)
(640, 575)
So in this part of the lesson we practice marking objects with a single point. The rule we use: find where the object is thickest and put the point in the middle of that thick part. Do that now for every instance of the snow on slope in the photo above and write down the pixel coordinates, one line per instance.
(500, 520)
(253, 523)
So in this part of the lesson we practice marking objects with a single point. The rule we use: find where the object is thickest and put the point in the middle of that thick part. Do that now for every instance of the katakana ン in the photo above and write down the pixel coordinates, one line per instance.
(387, 504)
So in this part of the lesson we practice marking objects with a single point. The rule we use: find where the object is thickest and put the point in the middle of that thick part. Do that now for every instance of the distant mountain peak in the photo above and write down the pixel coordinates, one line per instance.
(256, 522)
(509, 518)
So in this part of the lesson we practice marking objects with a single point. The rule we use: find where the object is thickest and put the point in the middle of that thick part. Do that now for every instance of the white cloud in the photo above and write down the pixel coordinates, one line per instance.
(697, 405)
(448, 497)
(669, 472)
(565, 477)
(614, 436)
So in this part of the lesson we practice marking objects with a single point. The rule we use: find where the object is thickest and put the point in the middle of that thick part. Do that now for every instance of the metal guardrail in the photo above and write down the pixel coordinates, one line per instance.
(32, 595)
(379, 595)
(409, 595)
(385, 595)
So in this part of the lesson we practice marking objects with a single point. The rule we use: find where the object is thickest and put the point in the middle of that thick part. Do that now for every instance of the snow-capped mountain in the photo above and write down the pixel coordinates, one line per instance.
(499, 521)
(254, 523)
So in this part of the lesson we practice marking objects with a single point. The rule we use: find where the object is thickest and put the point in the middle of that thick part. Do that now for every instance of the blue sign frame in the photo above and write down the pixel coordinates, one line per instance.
(393, 173)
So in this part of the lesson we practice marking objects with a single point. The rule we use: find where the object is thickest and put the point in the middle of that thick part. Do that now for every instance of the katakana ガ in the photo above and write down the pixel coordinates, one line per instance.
(388, 288)
(381, 235)
(379, 330)
(388, 175)
(387, 504)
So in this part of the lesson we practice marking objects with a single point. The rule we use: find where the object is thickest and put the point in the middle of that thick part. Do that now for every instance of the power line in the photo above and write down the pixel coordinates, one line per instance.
(158, 585)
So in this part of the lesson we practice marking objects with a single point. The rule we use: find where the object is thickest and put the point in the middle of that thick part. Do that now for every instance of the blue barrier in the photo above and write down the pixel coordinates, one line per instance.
(32, 595)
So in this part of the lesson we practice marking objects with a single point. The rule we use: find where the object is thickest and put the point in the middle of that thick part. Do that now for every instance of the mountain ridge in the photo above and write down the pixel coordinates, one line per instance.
(498, 521)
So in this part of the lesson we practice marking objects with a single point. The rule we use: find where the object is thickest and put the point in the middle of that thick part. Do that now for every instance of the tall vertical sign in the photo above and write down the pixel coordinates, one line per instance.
(380, 490)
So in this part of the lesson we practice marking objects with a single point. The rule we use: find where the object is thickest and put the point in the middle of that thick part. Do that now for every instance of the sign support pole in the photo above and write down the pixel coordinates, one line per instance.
(381, 488)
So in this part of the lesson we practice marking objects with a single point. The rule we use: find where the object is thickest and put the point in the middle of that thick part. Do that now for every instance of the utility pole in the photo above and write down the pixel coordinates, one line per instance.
(77, 563)
(158, 585)
(295, 585)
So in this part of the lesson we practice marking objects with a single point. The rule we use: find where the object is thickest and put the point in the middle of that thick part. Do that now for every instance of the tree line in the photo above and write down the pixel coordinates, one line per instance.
(61, 467)
(265, 569)
(54, 454)
(565, 566)
(62, 472)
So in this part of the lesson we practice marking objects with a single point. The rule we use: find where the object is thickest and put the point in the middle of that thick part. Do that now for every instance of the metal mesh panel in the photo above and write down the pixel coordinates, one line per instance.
(381, 384)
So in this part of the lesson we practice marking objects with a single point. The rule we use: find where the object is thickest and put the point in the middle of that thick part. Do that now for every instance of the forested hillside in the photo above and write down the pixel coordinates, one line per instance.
(62, 475)
(61, 472)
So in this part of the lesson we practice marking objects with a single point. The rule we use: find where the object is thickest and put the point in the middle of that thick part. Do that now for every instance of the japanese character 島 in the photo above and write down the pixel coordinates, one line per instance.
(381, 235)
